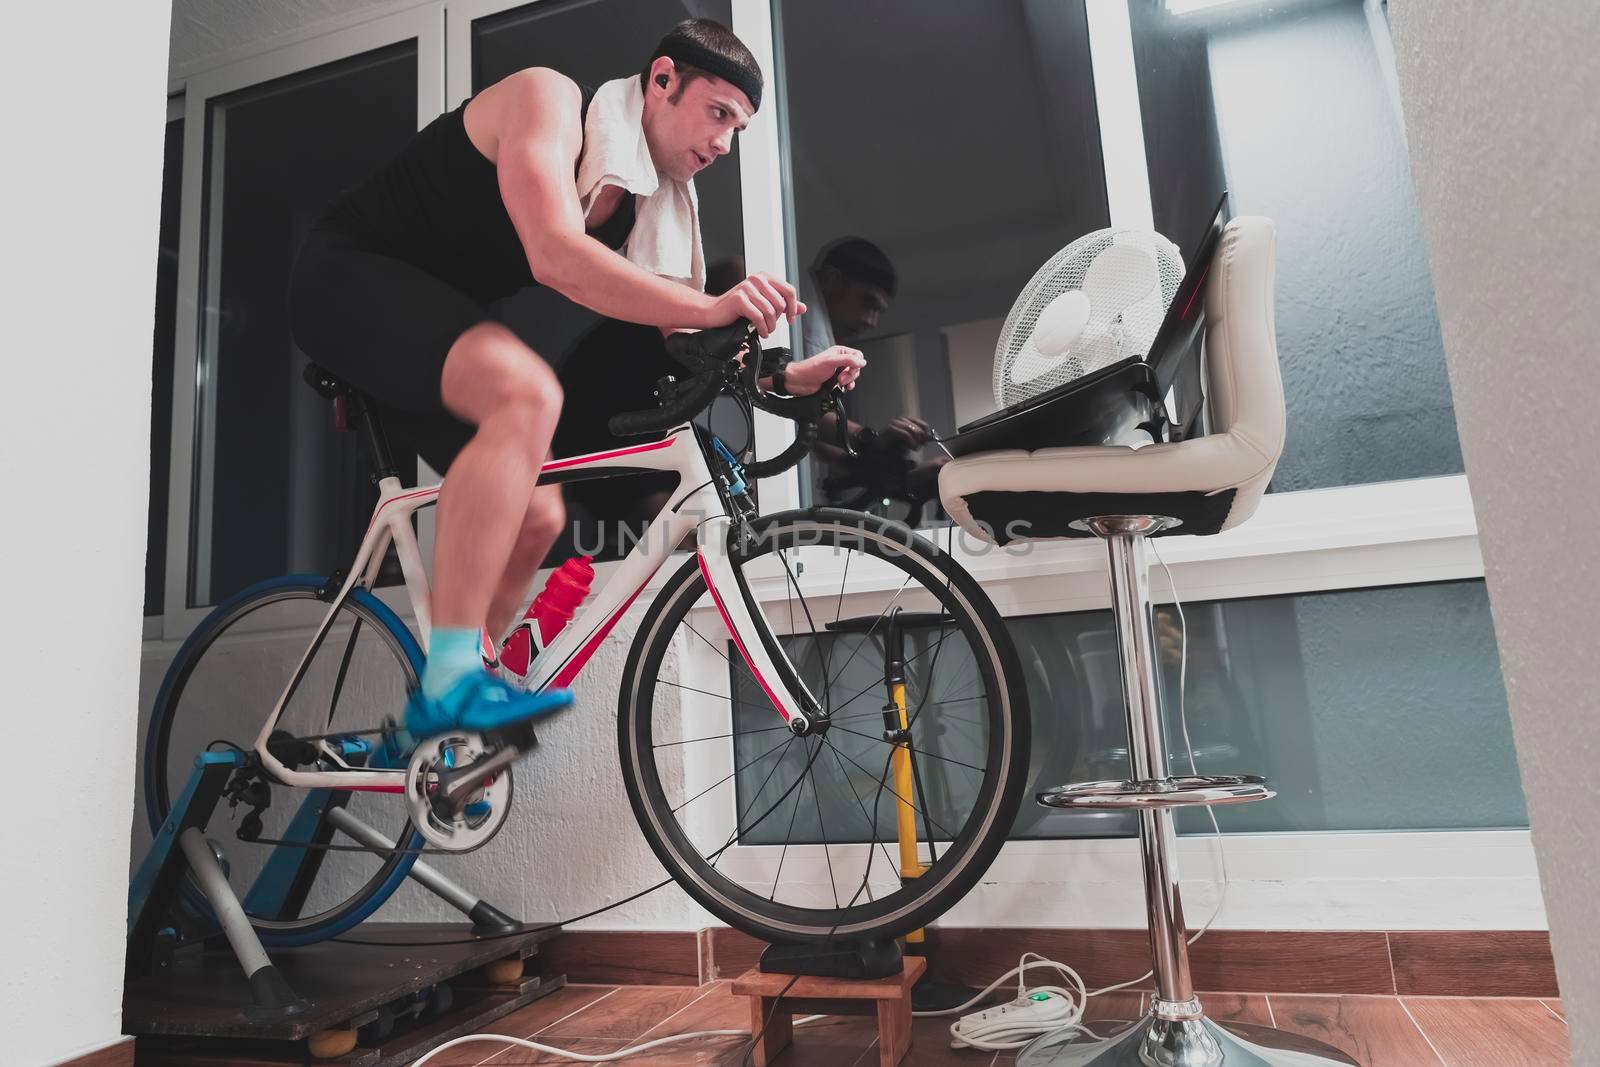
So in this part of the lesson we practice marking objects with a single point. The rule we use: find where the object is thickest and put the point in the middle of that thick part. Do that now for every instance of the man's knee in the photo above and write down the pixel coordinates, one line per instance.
(546, 515)
(490, 372)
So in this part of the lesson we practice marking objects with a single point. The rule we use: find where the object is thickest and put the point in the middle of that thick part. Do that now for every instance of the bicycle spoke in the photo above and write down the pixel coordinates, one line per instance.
(875, 685)
(822, 652)
(870, 631)
(884, 784)
(839, 604)
(937, 703)
(719, 737)
(714, 648)
(872, 820)
(738, 824)
(921, 751)
(736, 770)
(787, 834)
(720, 696)
(927, 831)
(833, 883)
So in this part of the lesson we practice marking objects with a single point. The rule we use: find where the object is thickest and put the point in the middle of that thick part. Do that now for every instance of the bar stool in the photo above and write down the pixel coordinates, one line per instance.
(1124, 496)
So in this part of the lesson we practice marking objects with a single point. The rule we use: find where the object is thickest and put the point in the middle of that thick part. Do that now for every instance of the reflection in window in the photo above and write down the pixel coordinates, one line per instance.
(277, 487)
(1370, 709)
(961, 141)
(1289, 106)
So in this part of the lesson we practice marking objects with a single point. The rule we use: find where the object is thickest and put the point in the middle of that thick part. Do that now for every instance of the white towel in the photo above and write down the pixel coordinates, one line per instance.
(666, 228)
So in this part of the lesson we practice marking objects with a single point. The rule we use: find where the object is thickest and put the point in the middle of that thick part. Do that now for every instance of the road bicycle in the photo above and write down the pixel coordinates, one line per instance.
(761, 762)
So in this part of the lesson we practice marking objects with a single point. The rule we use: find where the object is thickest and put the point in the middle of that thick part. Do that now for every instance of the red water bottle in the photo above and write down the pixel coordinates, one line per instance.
(555, 606)
(549, 613)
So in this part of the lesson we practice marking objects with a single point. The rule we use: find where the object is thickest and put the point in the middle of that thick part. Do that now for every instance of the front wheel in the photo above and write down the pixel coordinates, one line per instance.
(807, 838)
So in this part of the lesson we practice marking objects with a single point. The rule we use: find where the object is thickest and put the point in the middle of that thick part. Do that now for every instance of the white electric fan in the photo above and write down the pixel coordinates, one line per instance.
(1096, 302)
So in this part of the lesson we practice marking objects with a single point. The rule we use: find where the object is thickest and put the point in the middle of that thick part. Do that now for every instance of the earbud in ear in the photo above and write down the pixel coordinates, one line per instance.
(661, 80)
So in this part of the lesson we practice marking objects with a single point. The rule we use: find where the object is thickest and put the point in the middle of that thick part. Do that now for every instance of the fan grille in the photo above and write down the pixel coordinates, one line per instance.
(1129, 277)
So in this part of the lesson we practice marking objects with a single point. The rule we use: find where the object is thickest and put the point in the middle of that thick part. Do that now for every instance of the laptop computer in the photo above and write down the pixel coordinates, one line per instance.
(1107, 405)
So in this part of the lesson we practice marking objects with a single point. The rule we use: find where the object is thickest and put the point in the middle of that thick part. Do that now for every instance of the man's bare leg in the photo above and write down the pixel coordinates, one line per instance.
(546, 514)
(494, 381)
(497, 383)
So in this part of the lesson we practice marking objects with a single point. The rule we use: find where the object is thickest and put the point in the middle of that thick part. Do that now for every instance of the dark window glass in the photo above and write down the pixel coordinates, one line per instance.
(1293, 108)
(1367, 709)
(277, 488)
(962, 141)
(155, 563)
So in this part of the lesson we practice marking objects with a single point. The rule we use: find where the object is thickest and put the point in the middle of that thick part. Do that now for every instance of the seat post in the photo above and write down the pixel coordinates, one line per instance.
(377, 441)
(1147, 747)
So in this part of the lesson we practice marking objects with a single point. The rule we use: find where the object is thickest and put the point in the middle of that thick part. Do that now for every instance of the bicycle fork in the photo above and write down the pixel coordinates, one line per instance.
(758, 646)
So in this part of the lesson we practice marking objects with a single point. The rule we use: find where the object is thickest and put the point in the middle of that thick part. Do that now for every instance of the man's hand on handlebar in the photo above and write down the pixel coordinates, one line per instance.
(805, 376)
(760, 298)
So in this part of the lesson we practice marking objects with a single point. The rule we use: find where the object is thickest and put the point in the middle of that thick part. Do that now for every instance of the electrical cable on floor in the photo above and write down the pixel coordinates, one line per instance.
(1016, 1023)
(1003, 1028)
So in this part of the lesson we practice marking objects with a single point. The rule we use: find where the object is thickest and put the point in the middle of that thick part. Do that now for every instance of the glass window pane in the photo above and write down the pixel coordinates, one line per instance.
(1292, 107)
(155, 563)
(277, 488)
(1367, 709)
(962, 141)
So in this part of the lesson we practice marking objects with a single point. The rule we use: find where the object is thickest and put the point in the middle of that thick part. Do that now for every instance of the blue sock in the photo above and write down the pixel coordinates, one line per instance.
(453, 654)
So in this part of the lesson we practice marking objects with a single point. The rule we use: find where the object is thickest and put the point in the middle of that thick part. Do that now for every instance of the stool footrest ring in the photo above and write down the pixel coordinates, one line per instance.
(1182, 791)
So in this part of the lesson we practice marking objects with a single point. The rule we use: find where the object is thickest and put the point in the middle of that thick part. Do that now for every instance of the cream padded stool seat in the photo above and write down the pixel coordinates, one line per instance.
(1123, 495)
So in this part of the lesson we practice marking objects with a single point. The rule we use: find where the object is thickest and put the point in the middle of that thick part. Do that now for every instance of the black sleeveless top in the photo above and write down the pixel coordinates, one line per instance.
(437, 205)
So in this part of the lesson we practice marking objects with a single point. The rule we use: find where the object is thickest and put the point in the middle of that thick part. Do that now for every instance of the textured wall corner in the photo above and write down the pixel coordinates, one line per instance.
(1505, 144)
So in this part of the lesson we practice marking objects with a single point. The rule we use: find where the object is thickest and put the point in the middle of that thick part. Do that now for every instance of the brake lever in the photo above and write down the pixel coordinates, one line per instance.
(836, 402)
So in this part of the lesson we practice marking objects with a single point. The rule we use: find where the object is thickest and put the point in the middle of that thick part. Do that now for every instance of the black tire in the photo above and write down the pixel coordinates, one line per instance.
(177, 731)
(996, 794)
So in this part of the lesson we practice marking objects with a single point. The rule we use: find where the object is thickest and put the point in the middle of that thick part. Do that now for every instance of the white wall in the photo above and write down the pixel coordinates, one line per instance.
(1505, 144)
(84, 86)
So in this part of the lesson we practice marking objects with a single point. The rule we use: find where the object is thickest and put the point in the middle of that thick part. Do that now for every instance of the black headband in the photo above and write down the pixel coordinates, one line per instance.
(683, 50)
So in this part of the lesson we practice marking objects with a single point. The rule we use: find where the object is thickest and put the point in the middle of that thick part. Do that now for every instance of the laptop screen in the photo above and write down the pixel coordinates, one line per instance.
(1179, 335)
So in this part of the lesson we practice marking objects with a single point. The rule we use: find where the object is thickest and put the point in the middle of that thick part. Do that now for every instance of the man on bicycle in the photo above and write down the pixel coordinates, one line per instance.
(393, 287)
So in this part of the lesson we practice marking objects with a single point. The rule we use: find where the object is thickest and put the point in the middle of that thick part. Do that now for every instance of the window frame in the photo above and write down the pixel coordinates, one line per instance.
(1376, 534)
(424, 25)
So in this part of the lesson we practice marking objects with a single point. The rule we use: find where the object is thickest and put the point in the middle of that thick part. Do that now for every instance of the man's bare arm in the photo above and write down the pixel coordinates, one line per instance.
(537, 159)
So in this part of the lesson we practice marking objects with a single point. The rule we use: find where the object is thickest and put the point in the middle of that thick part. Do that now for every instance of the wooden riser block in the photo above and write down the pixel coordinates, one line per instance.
(774, 1003)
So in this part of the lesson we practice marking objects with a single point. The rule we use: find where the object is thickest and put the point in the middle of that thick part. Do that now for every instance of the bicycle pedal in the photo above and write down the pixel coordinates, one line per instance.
(519, 736)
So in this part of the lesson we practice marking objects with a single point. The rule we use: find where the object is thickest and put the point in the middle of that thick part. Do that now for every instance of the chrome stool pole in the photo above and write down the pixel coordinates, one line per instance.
(1175, 1031)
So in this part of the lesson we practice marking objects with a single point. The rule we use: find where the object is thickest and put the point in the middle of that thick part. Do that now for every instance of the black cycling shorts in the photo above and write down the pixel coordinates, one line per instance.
(386, 326)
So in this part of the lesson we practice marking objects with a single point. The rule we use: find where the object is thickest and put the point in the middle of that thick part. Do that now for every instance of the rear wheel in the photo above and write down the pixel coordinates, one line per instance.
(799, 838)
(218, 692)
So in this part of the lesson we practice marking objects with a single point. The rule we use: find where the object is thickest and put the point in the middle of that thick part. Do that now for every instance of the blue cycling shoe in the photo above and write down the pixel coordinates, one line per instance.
(479, 702)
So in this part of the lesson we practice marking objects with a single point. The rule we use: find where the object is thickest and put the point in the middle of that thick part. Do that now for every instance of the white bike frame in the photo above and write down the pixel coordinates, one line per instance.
(695, 504)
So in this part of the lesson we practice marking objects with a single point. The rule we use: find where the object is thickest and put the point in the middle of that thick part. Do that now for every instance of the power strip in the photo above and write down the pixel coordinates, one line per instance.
(1016, 1022)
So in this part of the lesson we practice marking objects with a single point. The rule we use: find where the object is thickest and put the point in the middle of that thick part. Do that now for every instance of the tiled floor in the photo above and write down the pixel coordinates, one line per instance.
(1377, 1031)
